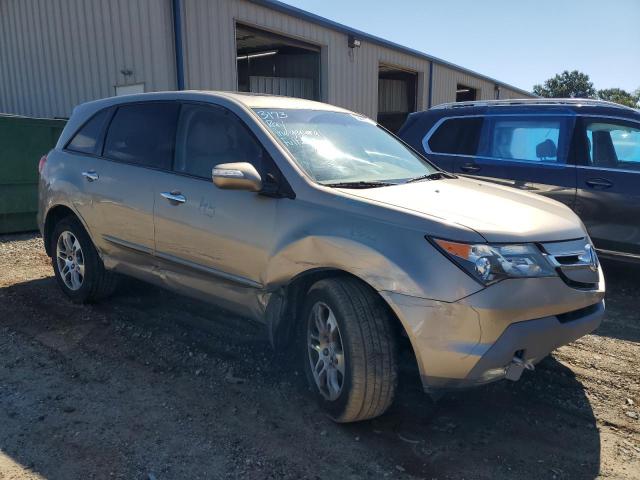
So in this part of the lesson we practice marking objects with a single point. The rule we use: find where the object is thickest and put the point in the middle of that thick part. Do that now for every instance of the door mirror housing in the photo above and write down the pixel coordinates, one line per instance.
(237, 176)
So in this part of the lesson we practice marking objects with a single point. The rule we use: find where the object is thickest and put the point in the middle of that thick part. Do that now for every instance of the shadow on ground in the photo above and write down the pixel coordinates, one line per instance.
(150, 382)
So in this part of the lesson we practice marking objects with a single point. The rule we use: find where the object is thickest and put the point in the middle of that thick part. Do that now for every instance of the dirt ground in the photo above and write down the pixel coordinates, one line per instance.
(150, 385)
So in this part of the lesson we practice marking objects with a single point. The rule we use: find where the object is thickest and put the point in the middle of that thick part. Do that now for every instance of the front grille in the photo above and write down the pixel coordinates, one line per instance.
(575, 261)
(577, 314)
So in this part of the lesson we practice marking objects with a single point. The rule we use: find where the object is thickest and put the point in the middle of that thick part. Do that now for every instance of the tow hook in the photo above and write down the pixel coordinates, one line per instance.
(514, 370)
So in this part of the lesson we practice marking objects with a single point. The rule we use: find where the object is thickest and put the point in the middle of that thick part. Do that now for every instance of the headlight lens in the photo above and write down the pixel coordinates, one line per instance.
(491, 263)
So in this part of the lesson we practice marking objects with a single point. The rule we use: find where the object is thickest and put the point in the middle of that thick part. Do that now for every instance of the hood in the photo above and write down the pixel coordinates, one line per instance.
(499, 214)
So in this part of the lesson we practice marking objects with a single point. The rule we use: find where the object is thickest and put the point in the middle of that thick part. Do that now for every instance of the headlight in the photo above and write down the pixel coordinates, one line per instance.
(492, 263)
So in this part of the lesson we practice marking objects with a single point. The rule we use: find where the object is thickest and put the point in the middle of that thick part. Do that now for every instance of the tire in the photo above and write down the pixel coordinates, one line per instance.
(367, 378)
(95, 282)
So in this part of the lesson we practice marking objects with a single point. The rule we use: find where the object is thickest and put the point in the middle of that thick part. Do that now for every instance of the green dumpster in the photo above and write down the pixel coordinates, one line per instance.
(23, 141)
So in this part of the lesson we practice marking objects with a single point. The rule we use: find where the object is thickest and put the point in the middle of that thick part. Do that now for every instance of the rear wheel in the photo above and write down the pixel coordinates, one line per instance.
(77, 266)
(349, 349)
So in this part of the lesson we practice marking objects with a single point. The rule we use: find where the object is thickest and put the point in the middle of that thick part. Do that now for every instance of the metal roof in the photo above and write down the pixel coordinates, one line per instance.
(250, 100)
(325, 22)
(577, 102)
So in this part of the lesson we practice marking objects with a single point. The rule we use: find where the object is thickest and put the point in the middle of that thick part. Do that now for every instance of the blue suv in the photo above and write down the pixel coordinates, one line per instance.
(583, 153)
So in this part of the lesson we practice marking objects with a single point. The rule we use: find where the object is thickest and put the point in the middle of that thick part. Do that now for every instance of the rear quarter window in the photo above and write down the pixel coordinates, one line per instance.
(87, 138)
(455, 136)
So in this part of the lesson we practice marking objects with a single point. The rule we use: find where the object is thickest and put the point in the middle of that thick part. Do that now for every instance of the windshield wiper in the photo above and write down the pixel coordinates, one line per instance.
(432, 176)
(360, 184)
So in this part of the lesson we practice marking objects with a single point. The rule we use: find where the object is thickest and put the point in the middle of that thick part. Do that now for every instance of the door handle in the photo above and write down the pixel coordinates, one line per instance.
(91, 176)
(470, 168)
(599, 183)
(174, 197)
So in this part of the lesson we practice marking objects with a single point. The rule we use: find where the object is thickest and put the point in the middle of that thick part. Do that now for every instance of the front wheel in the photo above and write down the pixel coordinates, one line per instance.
(350, 349)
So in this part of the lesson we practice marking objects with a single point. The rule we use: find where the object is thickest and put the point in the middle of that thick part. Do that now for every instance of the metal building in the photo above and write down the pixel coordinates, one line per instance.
(57, 53)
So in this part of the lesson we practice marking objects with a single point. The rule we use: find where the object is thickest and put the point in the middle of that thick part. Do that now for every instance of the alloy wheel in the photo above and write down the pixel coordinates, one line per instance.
(70, 260)
(326, 354)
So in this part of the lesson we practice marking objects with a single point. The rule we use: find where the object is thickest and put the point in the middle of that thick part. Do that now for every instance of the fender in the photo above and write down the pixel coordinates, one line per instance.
(303, 262)
(336, 253)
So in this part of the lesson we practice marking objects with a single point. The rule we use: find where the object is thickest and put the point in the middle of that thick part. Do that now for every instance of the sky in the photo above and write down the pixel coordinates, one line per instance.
(519, 42)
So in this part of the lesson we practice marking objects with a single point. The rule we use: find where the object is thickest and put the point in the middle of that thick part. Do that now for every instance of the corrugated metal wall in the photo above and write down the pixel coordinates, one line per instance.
(289, 86)
(506, 94)
(445, 81)
(58, 53)
(349, 76)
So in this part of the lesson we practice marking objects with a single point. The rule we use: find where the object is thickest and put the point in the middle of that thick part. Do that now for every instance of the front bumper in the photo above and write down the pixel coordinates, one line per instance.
(473, 340)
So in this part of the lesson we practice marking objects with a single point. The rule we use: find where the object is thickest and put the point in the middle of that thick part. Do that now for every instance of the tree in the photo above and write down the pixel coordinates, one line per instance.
(620, 96)
(567, 85)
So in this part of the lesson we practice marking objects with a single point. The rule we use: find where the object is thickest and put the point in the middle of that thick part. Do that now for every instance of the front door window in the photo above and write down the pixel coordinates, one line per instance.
(613, 145)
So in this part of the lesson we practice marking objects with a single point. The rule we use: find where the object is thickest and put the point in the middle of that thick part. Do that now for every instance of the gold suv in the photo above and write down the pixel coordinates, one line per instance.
(324, 226)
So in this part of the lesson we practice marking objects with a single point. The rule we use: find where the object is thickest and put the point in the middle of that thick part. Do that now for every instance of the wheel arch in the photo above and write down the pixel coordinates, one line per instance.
(52, 217)
(285, 305)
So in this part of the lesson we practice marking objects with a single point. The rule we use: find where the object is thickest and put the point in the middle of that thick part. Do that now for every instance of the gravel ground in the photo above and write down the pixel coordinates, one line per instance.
(151, 385)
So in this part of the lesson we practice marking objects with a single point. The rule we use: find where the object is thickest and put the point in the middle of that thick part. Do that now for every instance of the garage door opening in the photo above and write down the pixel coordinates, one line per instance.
(396, 96)
(465, 94)
(270, 63)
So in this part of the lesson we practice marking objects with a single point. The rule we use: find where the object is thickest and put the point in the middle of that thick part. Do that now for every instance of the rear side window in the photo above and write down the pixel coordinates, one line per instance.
(87, 139)
(456, 136)
(532, 139)
(208, 136)
(143, 134)
(614, 145)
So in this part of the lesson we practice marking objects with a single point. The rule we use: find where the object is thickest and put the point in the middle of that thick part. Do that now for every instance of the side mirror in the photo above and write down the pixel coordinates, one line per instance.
(237, 176)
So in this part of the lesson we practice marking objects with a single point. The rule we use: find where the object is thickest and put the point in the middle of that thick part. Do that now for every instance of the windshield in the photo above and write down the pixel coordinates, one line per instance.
(335, 147)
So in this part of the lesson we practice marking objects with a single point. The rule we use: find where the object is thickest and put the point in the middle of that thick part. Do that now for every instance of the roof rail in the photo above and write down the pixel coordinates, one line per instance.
(532, 101)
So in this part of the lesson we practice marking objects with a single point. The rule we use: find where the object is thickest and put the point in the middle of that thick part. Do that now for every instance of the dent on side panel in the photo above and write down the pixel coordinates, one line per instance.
(388, 256)
(314, 252)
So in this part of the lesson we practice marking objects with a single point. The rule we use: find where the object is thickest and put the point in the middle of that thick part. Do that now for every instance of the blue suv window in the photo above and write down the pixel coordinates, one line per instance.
(613, 145)
(529, 139)
(455, 136)
(526, 138)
